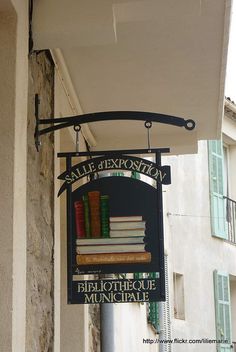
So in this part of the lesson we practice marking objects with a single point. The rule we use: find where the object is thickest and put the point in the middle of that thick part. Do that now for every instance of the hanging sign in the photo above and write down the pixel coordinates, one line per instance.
(114, 226)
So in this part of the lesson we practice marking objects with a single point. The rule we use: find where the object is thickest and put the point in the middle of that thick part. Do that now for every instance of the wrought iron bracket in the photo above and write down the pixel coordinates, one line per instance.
(63, 122)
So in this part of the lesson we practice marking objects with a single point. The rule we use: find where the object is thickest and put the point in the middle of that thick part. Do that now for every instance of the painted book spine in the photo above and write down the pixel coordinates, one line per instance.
(79, 219)
(113, 258)
(87, 217)
(94, 206)
(105, 225)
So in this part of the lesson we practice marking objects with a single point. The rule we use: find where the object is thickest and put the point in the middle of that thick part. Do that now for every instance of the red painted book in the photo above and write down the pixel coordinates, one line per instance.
(79, 219)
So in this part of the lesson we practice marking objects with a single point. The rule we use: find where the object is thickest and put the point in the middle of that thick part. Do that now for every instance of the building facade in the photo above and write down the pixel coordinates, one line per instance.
(200, 249)
(200, 242)
(119, 61)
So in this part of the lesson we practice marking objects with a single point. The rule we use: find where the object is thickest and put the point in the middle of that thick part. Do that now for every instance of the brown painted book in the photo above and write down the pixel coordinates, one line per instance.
(113, 258)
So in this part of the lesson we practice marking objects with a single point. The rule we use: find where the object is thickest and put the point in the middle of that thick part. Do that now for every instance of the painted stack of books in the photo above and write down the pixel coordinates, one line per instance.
(125, 244)
(92, 216)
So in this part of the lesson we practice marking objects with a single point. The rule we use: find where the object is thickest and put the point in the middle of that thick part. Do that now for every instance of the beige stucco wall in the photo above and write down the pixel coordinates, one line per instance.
(13, 116)
(70, 320)
(13, 156)
(7, 115)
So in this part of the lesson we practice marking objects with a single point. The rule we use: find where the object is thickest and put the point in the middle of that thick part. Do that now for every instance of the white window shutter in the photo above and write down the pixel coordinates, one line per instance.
(217, 192)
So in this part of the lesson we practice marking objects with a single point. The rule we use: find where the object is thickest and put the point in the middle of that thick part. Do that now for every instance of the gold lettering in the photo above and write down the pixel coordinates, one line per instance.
(81, 287)
(114, 163)
(115, 295)
(122, 161)
(153, 285)
(132, 297)
(100, 165)
(108, 164)
(91, 287)
(162, 176)
(68, 179)
(136, 165)
(79, 172)
(91, 167)
(89, 298)
(126, 164)
(144, 167)
(137, 285)
(109, 284)
(105, 298)
(74, 176)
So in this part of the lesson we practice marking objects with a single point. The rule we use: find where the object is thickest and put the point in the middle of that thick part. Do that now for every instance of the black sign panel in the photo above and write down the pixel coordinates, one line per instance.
(115, 225)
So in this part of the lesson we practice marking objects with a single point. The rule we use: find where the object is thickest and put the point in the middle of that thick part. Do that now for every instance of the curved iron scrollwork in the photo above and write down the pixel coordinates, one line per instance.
(63, 122)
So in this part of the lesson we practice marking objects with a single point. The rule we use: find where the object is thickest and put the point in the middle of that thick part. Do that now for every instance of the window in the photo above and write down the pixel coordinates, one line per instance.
(229, 175)
(217, 189)
(178, 296)
(222, 310)
(226, 169)
(223, 205)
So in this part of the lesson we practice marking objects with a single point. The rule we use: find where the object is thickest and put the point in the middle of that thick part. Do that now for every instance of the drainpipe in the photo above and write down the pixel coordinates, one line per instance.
(162, 327)
(164, 317)
(107, 325)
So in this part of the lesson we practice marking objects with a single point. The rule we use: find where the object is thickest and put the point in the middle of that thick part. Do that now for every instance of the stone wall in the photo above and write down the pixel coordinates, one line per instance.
(94, 328)
(40, 192)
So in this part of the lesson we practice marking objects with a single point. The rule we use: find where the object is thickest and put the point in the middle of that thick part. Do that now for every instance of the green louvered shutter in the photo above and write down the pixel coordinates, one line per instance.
(223, 310)
(153, 309)
(217, 192)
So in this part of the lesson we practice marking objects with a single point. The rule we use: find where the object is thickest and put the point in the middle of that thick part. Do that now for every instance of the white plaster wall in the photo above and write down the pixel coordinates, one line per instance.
(192, 250)
(131, 327)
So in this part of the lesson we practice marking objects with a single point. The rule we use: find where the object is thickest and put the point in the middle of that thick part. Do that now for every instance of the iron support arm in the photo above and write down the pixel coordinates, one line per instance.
(63, 122)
